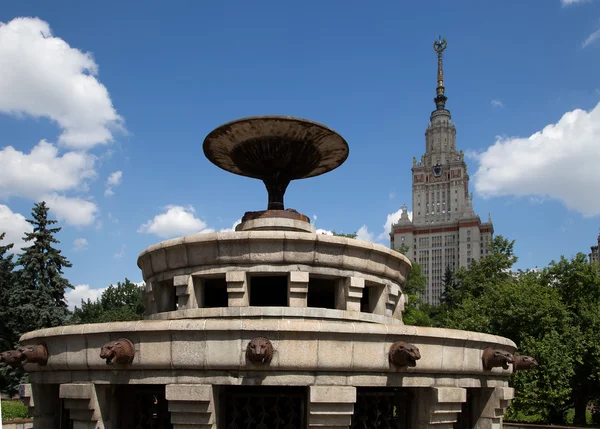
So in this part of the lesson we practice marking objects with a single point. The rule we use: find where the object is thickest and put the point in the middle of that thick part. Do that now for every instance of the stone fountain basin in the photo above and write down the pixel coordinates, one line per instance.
(202, 350)
(224, 250)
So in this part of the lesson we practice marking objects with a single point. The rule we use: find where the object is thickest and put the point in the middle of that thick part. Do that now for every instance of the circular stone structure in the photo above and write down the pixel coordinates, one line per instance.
(268, 328)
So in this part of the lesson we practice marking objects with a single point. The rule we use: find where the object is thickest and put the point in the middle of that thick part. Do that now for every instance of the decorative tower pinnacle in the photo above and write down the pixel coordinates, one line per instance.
(440, 100)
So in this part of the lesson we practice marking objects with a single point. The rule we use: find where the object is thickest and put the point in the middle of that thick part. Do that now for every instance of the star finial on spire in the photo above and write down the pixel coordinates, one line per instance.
(439, 46)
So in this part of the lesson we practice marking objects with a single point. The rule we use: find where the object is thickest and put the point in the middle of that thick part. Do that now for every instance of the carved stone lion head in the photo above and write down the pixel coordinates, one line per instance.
(524, 363)
(492, 358)
(259, 350)
(34, 354)
(404, 354)
(11, 357)
(120, 351)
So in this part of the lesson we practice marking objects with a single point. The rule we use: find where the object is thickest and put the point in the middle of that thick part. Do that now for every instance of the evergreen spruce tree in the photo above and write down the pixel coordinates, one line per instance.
(10, 378)
(7, 336)
(449, 287)
(40, 295)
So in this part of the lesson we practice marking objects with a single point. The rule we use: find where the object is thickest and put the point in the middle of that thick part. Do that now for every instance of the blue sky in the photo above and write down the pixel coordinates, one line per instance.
(104, 107)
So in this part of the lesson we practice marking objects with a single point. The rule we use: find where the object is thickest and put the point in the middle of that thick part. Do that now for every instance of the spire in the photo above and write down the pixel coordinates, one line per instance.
(440, 99)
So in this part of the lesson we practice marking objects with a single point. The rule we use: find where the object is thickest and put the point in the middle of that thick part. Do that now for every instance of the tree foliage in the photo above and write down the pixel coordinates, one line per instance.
(116, 304)
(552, 314)
(32, 289)
(342, 234)
(40, 294)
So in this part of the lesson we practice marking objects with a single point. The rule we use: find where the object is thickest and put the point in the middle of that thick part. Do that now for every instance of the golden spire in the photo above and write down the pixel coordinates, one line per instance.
(440, 100)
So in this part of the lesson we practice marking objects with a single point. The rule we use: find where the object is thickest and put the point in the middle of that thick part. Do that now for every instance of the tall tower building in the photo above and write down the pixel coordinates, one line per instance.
(595, 253)
(444, 230)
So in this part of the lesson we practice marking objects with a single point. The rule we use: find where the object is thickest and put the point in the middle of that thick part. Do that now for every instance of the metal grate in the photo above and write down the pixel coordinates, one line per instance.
(263, 408)
(381, 409)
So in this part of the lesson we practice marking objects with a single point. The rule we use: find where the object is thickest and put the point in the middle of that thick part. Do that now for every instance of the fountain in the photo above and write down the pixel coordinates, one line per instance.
(268, 326)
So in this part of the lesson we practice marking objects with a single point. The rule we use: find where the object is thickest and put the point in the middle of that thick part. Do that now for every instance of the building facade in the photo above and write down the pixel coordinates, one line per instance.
(444, 230)
(595, 252)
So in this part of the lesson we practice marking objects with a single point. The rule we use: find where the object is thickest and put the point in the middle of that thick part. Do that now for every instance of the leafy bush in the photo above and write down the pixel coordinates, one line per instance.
(12, 410)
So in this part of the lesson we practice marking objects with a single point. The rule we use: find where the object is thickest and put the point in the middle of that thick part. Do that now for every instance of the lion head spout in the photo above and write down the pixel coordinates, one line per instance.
(259, 350)
(492, 358)
(11, 357)
(404, 354)
(120, 351)
(525, 362)
(34, 354)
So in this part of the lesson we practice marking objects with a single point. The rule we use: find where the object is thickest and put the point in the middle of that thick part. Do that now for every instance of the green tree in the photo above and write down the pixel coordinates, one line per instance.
(37, 297)
(341, 234)
(484, 273)
(578, 285)
(553, 315)
(40, 294)
(117, 303)
(9, 335)
(8, 338)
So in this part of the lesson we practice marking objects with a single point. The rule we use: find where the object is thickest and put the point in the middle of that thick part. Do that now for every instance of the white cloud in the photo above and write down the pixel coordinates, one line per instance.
(42, 76)
(114, 179)
(364, 234)
(74, 211)
(42, 170)
(74, 296)
(14, 225)
(42, 173)
(236, 223)
(80, 244)
(112, 218)
(120, 253)
(497, 103)
(391, 219)
(324, 231)
(176, 221)
(560, 162)
(392, 195)
(591, 38)
(570, 2)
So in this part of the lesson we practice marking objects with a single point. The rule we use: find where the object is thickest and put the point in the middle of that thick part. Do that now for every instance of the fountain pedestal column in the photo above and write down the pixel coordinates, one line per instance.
(331, 406)
(88, 405)
(438, 407)
(43, 403)
(191, 406)
(489, 406)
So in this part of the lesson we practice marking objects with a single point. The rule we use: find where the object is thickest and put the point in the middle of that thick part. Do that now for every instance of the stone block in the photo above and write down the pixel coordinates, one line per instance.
(188, 392)
(450, 394)
(76, 391)
(329, 253)
(297, 351)
(234, 248)
(368, 354)
(299, 248)
(298, 277)
(332, 394)
(155, 349)
(202, 253)
(334, 352)
(356, 255)
(177, 257)
(188, 349)
(158, 260)
(77, 350)
(266, 251)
